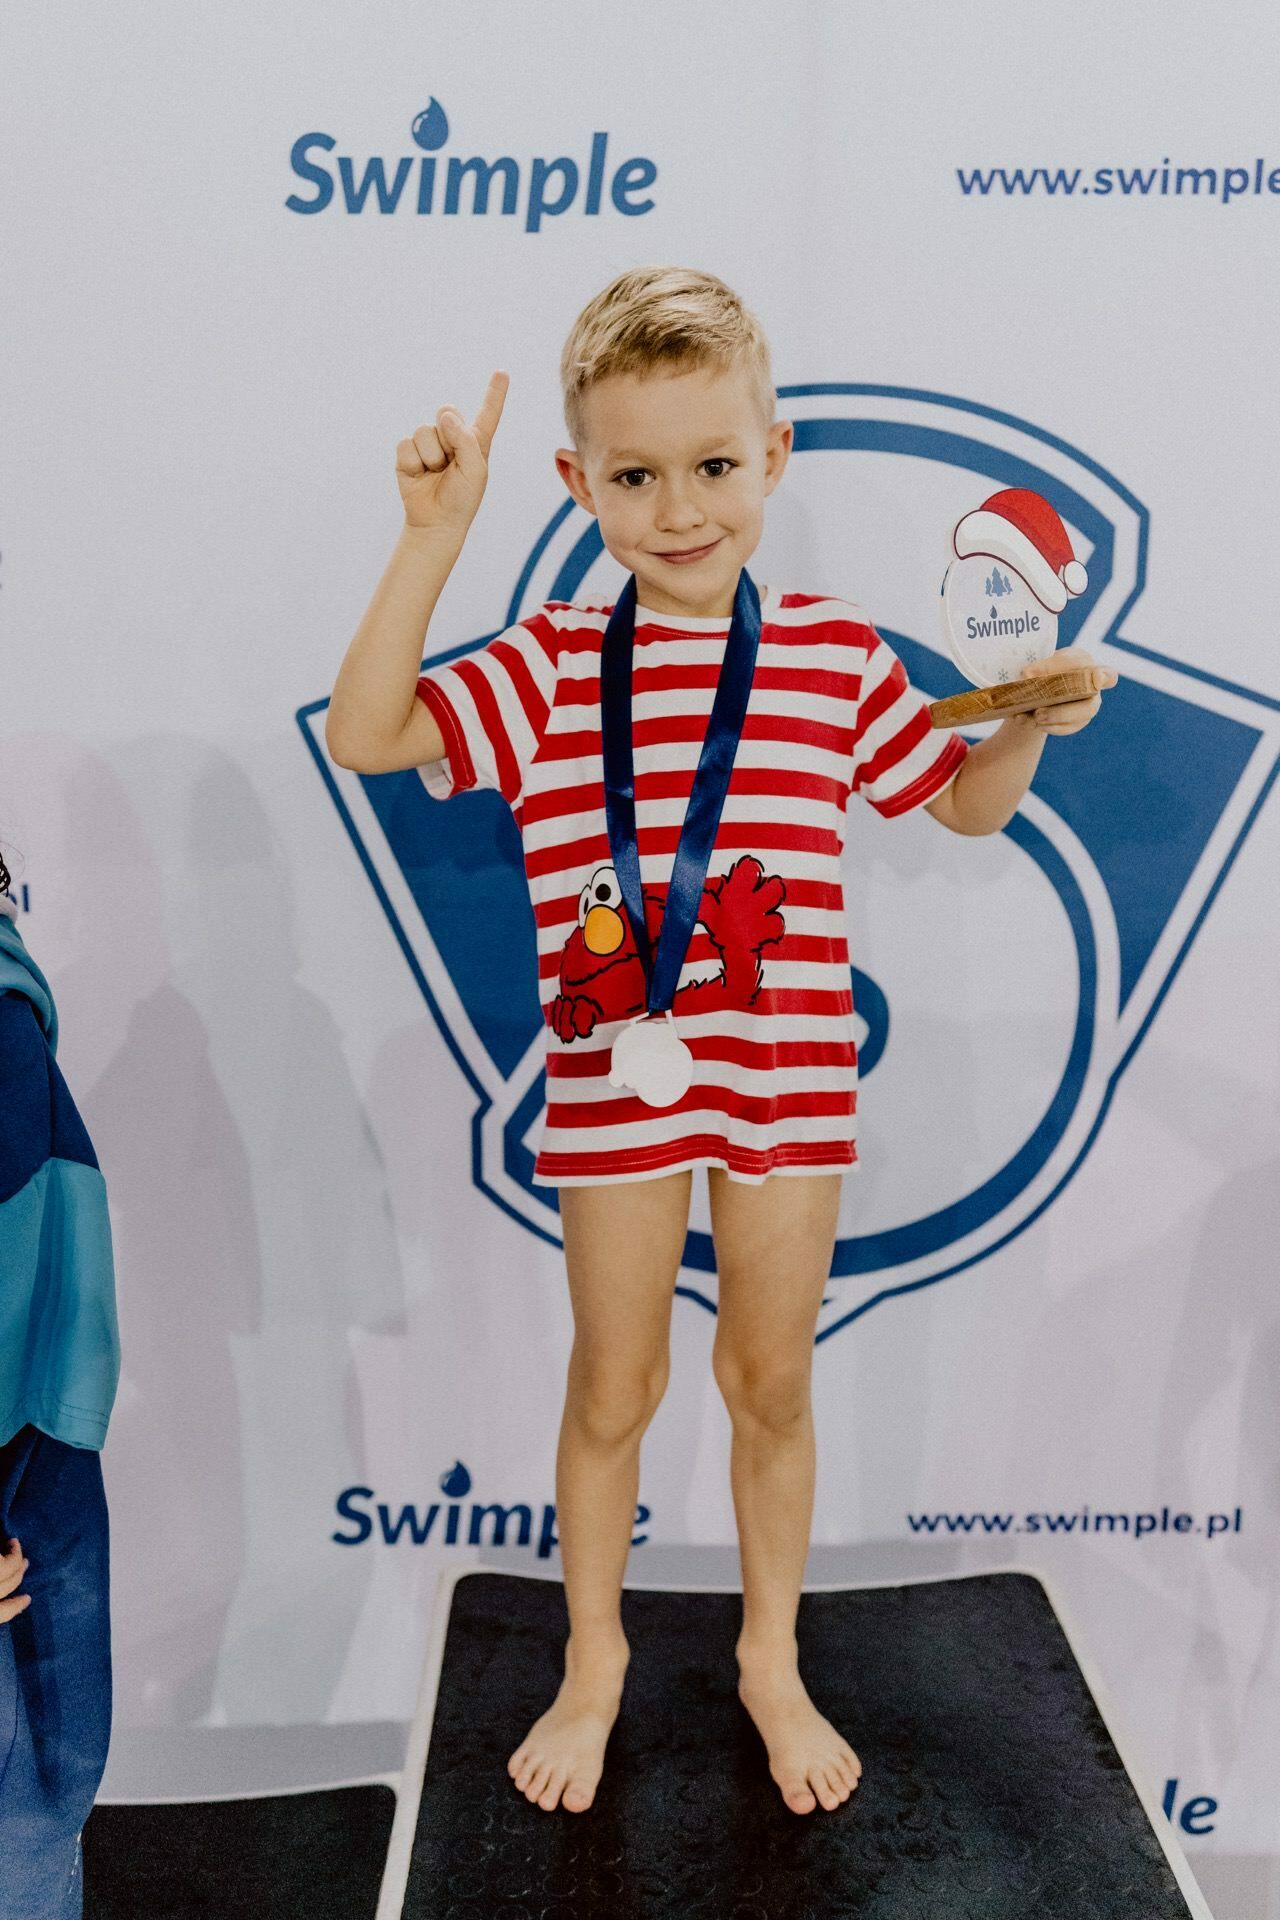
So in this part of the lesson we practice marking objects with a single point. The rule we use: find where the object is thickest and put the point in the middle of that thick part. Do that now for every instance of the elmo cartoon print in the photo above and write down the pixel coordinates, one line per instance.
(601, 976)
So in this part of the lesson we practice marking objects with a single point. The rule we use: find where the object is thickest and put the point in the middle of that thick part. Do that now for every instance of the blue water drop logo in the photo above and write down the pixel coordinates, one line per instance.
(456, 1482)
(431, 128)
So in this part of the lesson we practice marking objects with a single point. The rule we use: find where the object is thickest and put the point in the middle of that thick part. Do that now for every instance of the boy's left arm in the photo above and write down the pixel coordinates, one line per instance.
(996, 772)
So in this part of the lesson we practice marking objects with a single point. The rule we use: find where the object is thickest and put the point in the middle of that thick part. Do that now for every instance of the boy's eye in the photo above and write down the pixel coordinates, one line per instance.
(625, 478)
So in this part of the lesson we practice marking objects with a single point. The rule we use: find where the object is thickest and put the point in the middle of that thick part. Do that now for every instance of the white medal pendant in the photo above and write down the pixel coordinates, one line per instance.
(650, 1057)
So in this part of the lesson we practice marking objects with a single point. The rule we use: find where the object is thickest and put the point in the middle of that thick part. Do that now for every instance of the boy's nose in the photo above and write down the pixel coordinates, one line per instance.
(677, 513)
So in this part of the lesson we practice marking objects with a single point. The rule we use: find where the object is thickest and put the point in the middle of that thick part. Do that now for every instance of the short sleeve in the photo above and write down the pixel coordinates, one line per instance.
(900, 759)
(491, 707)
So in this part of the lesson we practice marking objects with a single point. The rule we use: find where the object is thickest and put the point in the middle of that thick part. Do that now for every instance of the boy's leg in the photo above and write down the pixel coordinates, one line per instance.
(774, 1245)
(55, 1672)
(622, 1254)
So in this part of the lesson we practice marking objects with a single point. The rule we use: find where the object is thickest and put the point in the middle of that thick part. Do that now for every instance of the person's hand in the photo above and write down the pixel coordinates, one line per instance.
(442, 471)
(1072, 714)
(12, 1567)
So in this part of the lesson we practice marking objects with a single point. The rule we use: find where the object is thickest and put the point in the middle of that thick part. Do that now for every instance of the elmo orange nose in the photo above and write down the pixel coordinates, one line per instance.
(603, 930)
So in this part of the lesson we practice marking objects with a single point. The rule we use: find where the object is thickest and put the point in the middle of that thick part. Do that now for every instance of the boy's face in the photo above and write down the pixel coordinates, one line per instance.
(676, 462)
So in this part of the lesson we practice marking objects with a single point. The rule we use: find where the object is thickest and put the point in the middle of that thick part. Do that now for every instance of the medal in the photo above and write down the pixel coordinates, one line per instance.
(649, 1056)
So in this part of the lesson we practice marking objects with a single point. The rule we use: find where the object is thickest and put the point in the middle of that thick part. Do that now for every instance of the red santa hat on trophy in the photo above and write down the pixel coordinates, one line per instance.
(1022, 529)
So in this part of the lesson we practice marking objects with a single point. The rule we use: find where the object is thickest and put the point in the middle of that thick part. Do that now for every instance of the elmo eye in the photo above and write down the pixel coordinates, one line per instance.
(603, 888)
(584, 902)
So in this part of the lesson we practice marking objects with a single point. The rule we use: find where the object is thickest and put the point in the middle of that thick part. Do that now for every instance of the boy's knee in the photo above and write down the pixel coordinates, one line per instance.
(772, 1394)
(612, 1408)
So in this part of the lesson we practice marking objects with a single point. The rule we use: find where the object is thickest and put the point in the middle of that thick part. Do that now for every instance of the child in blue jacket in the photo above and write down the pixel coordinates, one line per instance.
(59, 1365)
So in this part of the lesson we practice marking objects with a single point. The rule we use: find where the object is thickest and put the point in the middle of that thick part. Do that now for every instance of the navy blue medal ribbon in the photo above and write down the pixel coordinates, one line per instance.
(706, 797)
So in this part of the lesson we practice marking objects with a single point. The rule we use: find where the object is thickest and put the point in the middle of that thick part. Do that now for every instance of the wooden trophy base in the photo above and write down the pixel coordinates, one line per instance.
(1015, 696)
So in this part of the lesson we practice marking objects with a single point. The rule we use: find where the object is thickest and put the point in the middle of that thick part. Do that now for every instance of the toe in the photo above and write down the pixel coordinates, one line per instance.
(799, 1796)
(577, 1797)
(536, 1782)
(823, 1788)
(550, 1795)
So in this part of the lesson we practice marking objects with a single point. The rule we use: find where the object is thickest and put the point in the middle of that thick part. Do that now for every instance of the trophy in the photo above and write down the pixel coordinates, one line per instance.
(1012, 572)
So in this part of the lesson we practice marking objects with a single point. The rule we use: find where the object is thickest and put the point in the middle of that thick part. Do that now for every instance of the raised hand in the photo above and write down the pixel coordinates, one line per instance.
(442, 471)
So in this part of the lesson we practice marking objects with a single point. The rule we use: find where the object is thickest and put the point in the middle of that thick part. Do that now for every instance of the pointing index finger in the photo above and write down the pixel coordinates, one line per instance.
(490, 412)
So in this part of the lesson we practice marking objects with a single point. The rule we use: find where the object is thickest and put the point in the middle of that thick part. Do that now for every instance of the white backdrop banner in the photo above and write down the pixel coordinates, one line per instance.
(247, 251)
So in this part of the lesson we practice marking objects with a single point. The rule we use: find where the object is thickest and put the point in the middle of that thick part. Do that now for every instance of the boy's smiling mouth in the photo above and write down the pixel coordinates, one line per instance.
(681, 556)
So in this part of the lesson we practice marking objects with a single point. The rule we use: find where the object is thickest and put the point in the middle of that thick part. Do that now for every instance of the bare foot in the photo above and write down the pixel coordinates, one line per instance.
(563, 1753)
(807, 1757)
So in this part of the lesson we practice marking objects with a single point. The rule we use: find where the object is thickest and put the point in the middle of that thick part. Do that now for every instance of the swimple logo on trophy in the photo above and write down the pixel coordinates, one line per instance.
(1012, 572)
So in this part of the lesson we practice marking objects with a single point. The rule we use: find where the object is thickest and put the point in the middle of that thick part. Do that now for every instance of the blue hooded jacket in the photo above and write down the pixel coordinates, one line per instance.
(59, 1341)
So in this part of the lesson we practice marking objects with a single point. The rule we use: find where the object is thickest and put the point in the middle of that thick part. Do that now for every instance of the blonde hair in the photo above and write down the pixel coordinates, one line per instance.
(672, 317)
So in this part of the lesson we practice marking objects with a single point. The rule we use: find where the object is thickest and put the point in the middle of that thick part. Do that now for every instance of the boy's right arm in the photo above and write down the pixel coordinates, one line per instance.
(375, 722)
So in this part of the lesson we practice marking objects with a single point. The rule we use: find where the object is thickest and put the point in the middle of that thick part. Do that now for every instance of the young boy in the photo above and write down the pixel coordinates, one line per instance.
(669, 401)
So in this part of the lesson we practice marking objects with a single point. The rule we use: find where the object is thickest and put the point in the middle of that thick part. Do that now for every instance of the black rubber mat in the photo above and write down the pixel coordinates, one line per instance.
(289, 1856)
(991, 1788)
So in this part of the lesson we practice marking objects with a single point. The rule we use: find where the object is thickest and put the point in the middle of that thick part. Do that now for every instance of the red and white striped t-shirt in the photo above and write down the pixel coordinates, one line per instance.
(765, 996)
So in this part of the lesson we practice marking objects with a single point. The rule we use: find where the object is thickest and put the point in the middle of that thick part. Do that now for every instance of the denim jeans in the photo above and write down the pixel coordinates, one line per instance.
(55, 1673)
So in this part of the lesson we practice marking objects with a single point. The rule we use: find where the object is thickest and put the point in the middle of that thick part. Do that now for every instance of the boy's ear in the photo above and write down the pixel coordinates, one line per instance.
(777, 450)
(569, 467)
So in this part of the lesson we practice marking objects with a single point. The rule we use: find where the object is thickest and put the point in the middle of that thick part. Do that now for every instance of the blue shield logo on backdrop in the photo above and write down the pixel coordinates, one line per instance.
(1003, 984)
